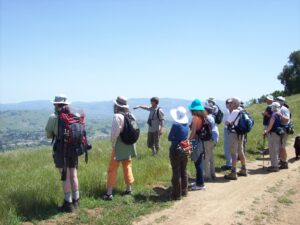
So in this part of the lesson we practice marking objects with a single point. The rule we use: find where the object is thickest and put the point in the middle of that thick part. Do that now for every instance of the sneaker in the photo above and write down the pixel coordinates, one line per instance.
(196, 188)
(242, 173)
(75, 203)
(283, 165)
(225, 167)
(273, 169)
(66, 207)
(107, 197)
(127, 193)
(231, 176)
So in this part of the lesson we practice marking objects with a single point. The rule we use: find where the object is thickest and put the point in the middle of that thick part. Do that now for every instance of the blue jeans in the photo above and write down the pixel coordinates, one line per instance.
(199, 171)
(226, 148)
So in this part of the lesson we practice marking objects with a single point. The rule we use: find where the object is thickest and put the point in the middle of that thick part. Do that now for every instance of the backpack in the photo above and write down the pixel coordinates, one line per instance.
(219, 116)
(205, 132)
(72, 134)
(245, 123)
(131, 131)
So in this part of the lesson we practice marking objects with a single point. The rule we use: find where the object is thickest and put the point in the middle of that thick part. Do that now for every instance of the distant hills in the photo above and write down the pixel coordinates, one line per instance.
(102, 108)
(22, 124)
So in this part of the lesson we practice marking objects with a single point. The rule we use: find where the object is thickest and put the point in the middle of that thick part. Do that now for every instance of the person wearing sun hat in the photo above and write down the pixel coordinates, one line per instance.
(71, 184)
(198, 115)
(209, 145)
(121, 152)
(268, 111)
(179, 132)
(274, 140)
(285, 117)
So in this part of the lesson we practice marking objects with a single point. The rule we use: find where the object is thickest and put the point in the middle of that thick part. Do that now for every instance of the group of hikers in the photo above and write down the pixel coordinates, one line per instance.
(195, 138)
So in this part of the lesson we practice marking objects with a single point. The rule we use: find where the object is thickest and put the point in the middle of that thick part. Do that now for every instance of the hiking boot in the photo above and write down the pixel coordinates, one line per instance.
(242, 173)
(283, 165)
(66, 207)
(75, 203)
(273, 169)
(107, 197)
(231, 176)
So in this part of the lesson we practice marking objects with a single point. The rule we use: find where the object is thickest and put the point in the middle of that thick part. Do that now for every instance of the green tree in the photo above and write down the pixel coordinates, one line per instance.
(290, 75)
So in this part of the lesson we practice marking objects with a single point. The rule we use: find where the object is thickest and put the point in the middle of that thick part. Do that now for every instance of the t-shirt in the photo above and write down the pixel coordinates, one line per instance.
(286, 113)
(214, 128)
(155, 119)
(232, 117)
(52, 125)
(178, 133)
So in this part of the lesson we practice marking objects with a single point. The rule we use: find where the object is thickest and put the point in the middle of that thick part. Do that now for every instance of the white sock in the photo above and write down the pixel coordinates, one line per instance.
(75, 195)
(68, 197)
(128, 188)
(109, 191)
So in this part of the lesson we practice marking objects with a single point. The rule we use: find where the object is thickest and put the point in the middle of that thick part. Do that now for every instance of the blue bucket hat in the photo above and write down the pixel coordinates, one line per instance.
(196, 105)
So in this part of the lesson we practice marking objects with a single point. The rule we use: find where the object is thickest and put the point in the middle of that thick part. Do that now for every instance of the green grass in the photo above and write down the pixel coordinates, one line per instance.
(30, 187)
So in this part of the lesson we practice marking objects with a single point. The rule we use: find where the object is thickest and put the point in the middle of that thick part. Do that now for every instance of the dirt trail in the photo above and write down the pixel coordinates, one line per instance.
(260, 198)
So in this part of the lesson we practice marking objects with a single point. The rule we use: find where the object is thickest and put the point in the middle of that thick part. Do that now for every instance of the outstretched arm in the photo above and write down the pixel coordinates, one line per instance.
(141, 107)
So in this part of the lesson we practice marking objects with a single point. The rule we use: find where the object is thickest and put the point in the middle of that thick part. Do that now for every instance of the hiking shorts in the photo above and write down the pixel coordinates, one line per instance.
(71, 161)
(235, 143)
(284, 140)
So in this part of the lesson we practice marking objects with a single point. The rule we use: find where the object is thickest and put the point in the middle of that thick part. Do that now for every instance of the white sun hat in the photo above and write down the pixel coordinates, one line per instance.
(179, 115)
(61, 99)
(270, 97)
(280, 98)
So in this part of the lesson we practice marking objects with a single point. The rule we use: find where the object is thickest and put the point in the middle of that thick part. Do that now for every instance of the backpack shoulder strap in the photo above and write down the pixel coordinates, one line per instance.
(238, 116)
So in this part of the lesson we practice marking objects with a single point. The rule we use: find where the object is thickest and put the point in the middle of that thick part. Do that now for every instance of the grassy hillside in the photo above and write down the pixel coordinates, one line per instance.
(30, 188)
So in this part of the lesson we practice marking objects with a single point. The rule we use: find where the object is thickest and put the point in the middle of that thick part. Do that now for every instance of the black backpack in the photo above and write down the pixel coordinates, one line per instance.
(205, 132)
(131, 131)
(219, 116)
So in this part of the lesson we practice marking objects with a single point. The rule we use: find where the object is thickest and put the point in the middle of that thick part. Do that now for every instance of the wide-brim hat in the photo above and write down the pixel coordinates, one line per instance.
(270, 97)
(211, 99)
(61, 99)
(280, 98)
(275, 106)
(179, 115)
(121, 102)
(196, 105)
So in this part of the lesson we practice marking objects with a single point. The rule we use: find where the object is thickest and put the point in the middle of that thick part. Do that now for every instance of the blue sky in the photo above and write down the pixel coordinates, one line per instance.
(96, 50)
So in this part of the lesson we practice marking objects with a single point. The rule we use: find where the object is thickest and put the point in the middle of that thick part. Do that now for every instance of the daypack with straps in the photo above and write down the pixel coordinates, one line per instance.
(245, 123)
(219, 116)
(149, 122)
(71, 133)
(131, 131)
(205, 132)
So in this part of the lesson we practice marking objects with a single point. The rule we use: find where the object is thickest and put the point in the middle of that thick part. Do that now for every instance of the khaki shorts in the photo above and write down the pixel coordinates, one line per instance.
(235, 143)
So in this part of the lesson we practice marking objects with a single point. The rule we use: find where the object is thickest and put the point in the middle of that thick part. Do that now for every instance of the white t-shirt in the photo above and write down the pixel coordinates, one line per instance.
(232, 116)
(286, 113)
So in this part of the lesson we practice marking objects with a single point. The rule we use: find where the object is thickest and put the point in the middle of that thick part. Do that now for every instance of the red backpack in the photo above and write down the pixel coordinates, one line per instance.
(72, 134)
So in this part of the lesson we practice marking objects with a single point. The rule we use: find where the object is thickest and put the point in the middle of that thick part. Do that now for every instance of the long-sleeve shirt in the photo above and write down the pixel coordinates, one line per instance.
(116, 128)
(178, 133)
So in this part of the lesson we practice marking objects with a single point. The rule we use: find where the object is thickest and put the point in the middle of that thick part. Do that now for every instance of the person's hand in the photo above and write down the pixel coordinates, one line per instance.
(161, 130)
(265, 133)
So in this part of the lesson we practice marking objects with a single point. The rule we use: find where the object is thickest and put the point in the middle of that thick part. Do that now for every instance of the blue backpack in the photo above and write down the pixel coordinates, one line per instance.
(245, 123)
